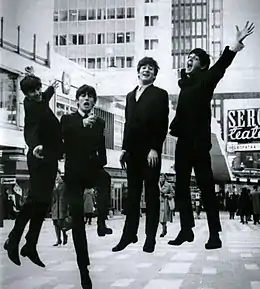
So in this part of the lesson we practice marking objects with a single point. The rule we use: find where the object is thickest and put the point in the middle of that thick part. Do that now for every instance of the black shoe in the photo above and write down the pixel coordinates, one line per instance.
(57, 244)
(183, 236)
(149, 245)
(103, 231)
(124, 243)
(214, 242)
(65, 239)
(32, 254)
(12, 251)
(86, 282)
(164, 233)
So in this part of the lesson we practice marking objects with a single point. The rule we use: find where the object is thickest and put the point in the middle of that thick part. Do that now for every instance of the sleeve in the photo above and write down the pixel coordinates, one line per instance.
(102, 147)
(124, 145)
(33, 116)
(160, 122)
(48, 93)
(217, 71)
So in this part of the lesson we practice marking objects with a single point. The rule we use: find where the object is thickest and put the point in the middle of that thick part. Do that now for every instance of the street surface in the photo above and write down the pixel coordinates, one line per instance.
(235, 266)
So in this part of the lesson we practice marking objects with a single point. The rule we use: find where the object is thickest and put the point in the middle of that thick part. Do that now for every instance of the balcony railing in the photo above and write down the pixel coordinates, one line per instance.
(16, 47)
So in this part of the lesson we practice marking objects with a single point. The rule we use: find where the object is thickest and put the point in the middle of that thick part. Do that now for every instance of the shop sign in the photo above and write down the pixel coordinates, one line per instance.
(8, 181)
(243, 129)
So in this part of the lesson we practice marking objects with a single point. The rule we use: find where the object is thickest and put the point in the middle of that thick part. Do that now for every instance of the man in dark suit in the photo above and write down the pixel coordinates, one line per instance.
(42, 132)
(146, 123)
(192, 126)
(85, 153)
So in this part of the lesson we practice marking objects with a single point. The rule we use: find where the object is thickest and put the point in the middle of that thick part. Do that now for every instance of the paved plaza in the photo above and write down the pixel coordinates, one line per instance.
(235, 266)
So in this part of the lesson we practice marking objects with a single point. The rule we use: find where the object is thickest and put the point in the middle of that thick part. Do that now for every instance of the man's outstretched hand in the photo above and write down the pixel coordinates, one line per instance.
(246, 31)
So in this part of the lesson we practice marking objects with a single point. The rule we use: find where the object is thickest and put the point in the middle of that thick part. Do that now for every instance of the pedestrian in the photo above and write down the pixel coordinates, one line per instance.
(59, 210)
(166, 203)
(146, 123)
(89, 201)
(192, 126)
(255, 196)
(42, 134)
(85, 158)
(244, 205)
(232, 205)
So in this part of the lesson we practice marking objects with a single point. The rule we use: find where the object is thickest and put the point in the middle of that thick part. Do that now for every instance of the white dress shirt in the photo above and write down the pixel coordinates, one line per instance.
(140, 90)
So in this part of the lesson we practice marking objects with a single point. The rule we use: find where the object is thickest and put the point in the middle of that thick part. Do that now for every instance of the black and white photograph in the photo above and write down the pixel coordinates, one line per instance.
(129, 144)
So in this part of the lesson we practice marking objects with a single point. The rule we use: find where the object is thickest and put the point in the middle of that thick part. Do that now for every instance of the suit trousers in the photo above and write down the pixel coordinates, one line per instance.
(42, 180)
(74, 193)
(138, 172)
(186, 158)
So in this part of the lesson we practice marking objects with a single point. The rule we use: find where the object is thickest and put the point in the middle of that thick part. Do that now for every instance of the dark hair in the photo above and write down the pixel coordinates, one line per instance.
(203, 56)
(30, 83)
(150, 61)
(86, 90)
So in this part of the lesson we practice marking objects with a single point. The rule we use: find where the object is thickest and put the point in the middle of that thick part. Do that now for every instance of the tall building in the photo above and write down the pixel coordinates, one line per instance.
(196, 23)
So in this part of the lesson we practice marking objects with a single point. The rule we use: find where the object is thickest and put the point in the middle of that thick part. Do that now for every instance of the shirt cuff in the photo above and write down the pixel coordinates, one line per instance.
(237, 46)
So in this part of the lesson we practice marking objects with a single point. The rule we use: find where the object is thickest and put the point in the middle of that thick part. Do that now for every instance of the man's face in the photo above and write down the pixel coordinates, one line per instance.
(35, 95)
(85, 103)
(162, 179)
(146, 74)
(193, 64)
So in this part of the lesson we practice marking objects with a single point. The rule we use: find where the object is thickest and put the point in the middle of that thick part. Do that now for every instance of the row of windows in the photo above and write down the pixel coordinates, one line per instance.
(94, 38)
(189, 12)
(93, 14)
(104, 62)
(190, 28)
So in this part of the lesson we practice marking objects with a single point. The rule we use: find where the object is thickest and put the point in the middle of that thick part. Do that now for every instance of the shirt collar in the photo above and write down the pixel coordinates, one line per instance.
(81, 112)
(142, 87)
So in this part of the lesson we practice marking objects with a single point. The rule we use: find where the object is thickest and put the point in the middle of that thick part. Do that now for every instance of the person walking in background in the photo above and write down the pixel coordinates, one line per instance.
(255, 197)
(59, 210)
(244, 204)
(166, 203)
(192, 126)
(89, 201)
(85, 158)
(146, 125)
(232, 204)
(42, 133)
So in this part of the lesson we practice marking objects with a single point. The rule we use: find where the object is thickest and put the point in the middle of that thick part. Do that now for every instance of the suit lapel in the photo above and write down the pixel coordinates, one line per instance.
(145, 93)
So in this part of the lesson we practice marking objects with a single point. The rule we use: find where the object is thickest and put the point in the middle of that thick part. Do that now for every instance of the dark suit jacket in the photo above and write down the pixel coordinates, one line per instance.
(146, 121)
(84, 146)
(193, 114)
(41, 127)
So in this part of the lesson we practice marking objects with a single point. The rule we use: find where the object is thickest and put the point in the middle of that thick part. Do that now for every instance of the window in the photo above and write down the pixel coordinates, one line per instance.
(55, 16)
(91, 38)
(91, 14)
(120, 62)
(56, 40)
(146, 44)
(130, 12)
(73, 39)
(73, 59)
(154, 20)
(82, 16)
(63, 14)
(120, 38)
(129, 61)
(129, 37)
(199, 11)
(82, 61)
(72, 15)
(82, 39)
(154, 44)
(91, 63)
(63, 39)
(101, 62)
(111, 13)
(146, 20)
(120, 13)
(8, 97)
(111, 38)
(101, 13)
(100, 38)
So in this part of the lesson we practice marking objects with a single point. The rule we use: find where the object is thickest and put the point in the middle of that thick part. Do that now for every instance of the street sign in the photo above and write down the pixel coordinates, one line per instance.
(17, 189)
(8, 181)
